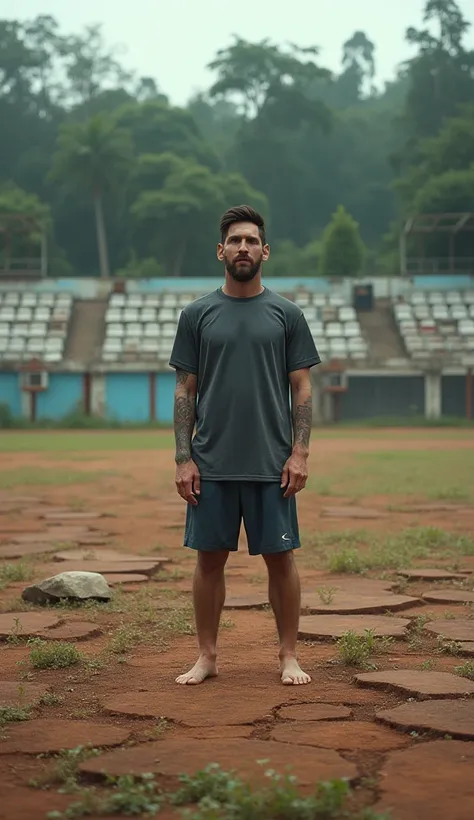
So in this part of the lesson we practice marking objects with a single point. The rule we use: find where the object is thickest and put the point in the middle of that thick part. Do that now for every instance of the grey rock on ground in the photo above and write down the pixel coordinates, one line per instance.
(77, 585)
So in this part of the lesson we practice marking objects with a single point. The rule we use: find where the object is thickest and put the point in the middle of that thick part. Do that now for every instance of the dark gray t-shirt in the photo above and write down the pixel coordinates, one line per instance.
(242, 351)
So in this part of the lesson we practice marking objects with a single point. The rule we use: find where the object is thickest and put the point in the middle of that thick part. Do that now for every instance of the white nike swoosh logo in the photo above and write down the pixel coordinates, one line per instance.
(286, 537)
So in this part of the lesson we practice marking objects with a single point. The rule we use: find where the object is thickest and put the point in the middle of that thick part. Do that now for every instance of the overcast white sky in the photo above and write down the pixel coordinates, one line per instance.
(173, 44)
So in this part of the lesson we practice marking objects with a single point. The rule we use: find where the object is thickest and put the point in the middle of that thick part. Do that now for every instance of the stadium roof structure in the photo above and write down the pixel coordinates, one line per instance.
(34, 234)
(447, 223)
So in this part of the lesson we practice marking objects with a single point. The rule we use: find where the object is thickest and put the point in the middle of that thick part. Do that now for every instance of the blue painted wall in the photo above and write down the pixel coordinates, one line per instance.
(64, 394)
(164, 397)
(127, 396)
(10, 393)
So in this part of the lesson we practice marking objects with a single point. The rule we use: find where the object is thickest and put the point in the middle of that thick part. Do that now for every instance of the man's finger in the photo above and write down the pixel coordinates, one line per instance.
(197, 483)
(291, 489)
(284, 477)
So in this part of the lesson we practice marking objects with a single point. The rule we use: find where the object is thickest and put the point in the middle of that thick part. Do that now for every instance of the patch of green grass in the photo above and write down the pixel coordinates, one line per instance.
(80, 441)
(355, 650)
(418, 635)
(326, 594)
(50, 699)
(11, 714)
(466, 670)
(53, 654)
(447, 647)
(9, 573)
(427, 666)
(45, 477)
(64, 771)
(218, 795)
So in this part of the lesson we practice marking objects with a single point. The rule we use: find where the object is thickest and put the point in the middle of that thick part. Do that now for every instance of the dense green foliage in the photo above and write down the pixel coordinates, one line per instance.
(126, 182)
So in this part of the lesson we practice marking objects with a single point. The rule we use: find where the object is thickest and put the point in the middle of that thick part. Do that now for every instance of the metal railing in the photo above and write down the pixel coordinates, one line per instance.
(416, 266)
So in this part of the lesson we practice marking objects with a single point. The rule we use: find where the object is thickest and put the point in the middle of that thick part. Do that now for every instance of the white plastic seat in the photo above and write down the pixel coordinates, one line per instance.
(469, 297)
(351, 329)
(302, 300)
(310, 313)
(17, 345)
(7, 314)
(150, 345)
(113, 315)
(52, 356)
(117, 300)
(152, 330)
(418, 297)
(453, 297)
(130, 314)
(166, 314)
(35, 345)
(133, 329)
(148, 314)
(185, 299)
(115, 331)
(336, 300)
(427, 326)
(440, 313)
(466, 328)
(112, 345)
(316, 328)
(134, 300)
(46, 300)
(333, 330)
(24, 314)
(38, 329)
(347, 314)
(407, 326)
(4, 329)
(11, 299)
(169, 300)
(319, 300)
(61, 314)
(436, 298)
(42, 314)
(110, 357)
(151, 300)
(459, 312)
(3, 344)
(20, 331)
(422, 312)
(168, 331)
(28, 300)
(53, 344)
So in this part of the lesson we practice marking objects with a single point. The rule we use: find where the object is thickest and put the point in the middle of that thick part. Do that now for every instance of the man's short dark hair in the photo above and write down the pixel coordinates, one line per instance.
(242, 213)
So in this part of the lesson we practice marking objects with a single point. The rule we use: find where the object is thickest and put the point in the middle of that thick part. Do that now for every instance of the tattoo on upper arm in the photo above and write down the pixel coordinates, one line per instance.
(303, 417)
(182, 376)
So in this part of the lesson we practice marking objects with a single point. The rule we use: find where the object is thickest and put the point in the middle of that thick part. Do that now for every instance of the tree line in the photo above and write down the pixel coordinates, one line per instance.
(129, 184)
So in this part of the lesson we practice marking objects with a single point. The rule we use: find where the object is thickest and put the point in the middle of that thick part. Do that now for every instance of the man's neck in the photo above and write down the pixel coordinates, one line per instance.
(243, 290)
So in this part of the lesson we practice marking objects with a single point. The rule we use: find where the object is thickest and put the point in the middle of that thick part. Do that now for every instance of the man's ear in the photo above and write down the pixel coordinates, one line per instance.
(220, 252)
(265, 252)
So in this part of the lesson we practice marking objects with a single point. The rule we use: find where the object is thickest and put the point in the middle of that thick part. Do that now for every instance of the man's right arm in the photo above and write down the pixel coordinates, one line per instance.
(187, 473)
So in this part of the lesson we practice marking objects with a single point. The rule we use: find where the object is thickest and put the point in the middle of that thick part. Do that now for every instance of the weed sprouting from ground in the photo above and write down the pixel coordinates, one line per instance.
(216, 795)
(356, 650)
(53, 654)
(13, 714)
(326, 594)
(466, 670)
(9, 573)
(64, 771)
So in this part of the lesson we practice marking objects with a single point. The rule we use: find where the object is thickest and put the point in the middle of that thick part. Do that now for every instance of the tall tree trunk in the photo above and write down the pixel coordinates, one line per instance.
(101, 236)
(179, 258)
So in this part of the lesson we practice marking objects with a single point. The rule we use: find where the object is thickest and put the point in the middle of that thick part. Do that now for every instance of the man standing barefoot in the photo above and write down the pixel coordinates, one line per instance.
(239, 352)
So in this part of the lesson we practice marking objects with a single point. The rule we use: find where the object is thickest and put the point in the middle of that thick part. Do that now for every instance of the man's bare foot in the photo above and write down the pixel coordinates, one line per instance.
(202, 669)
(292, 673)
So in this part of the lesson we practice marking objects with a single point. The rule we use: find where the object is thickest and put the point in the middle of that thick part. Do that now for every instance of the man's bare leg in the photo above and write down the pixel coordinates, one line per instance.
(209, 597)
(285, 598)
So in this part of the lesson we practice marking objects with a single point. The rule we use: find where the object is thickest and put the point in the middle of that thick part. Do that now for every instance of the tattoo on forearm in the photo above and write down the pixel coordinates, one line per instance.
(302, 422)
(184, 417)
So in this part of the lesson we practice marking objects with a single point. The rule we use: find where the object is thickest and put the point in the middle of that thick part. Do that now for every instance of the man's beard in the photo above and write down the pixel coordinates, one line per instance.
(241, 273)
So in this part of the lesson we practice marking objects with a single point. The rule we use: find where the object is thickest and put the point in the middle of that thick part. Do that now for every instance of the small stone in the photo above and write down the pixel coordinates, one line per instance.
(333, 626)
(429, 574)
(417, 683)
(256, 600)
(48, 736)
(21, 693)
(454, 629)
(80, 586)
(26, 624)
(448, 717)
(314, 711)
(429, 780)
(173, 757)
(449, 596)
(353, 735)
(360, 513)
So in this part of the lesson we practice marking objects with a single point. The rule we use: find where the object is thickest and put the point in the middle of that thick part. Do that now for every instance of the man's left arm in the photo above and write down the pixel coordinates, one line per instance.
(295, 471)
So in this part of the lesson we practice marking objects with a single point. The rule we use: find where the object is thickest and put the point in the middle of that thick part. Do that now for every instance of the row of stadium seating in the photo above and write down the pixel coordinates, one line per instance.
(34, 325)
(434, 324)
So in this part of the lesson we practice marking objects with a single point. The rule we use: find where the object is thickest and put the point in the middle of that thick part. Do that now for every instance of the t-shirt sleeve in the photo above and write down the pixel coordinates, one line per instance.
(301, 349)
(185, 353)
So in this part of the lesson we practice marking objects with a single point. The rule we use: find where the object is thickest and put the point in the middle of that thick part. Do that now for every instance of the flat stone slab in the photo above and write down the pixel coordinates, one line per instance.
(314, 711)
(429, 780)
(72, 631)
(430, 574)
(71, 515)
(58, 535)
(432, 507)
(254, 600)
(345, 735)
(466, 647)
(342, 602)
(10, 551)
(115, 578)
(454, 629)
(333, 626)
(449, 717)
(418, 683)
(144, 566)
(360, 513)
(98, 555)
(20, 693)
(172, 757)
(449, 596)
(26, 624)
(154, 704)
(48, 736)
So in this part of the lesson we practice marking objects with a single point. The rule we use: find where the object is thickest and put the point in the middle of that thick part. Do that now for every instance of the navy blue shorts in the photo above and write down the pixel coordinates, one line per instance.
(270, 520)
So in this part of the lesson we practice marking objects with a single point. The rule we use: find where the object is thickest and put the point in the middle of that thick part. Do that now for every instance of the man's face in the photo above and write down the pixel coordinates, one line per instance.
(243, 252)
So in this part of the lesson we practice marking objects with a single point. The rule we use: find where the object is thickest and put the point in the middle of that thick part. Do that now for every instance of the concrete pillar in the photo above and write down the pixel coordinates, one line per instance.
(98, 407)
(432, 395)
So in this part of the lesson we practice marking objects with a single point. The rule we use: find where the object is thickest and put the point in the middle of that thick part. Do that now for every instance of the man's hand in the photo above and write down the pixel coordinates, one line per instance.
(188, 481)
(295, 474)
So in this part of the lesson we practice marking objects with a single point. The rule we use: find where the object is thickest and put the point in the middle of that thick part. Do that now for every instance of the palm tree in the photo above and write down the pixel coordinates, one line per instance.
(94, 156)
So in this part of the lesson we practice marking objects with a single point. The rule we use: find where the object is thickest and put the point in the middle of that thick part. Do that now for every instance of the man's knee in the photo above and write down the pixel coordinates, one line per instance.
(210, 562)
(280, 563)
